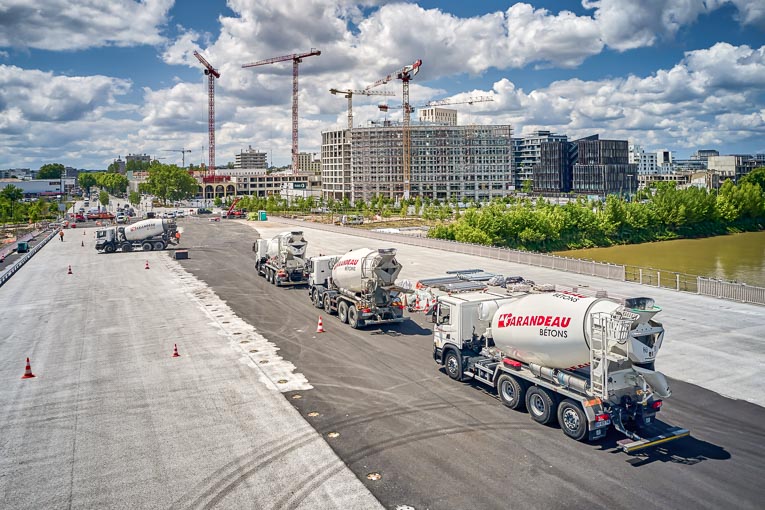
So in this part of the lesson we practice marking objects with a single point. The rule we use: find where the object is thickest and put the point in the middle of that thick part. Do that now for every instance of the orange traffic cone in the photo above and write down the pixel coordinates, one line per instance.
(417, 303)
(427, 306)
(320, 326)
(175, 351)
(28, 371)
(147, 265)
(70, 270)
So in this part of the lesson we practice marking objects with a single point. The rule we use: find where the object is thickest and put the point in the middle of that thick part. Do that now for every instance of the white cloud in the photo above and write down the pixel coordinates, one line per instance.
(73, 25)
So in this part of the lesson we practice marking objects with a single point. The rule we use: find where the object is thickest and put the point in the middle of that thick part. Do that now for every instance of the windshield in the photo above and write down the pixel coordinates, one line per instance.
(100, 234)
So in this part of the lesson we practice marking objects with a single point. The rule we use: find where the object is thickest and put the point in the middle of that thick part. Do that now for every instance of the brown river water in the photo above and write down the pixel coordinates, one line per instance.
(735, 257)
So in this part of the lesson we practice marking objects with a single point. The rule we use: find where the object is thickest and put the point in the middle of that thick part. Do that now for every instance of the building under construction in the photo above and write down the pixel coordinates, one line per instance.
(447, 162)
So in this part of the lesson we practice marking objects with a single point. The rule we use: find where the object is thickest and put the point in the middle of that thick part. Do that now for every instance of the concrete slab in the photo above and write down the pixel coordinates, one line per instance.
(713, 343)
(112, 420)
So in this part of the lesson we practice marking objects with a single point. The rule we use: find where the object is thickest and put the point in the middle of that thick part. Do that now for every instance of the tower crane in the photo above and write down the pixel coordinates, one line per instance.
(440, 102)
(348, 94)
(183, 154)
(296, 58)
(405, 74)
(211, 73)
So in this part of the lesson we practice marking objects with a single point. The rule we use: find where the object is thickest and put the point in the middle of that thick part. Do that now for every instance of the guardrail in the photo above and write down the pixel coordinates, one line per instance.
(669, 280)
(23, 260)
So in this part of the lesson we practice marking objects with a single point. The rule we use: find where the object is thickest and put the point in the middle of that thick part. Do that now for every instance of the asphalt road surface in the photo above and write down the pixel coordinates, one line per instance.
(439, 444)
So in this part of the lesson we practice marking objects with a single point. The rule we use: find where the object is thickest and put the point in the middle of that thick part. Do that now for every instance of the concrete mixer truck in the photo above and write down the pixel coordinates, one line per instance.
(153, 234)
(358, 286)
(585, 362)
(281, 259)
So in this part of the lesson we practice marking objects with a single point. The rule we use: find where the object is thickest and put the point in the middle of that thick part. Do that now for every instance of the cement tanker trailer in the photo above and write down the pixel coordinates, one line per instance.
(585, 362)
(359, 286)
(281, 259)
(153, 234)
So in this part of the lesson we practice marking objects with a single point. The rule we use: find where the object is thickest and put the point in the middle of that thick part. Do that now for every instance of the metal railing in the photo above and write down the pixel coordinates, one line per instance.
(8, 273)
(669, 280)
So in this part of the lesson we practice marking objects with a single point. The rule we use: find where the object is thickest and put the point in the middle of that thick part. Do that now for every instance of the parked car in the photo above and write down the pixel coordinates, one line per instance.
(204, 211)
(150, 215)
(121, 218)
(79, 217)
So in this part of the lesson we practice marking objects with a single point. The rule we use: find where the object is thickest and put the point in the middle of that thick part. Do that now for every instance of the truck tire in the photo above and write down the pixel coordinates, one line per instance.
(159, 246)
(541, 404)
(353, 318)
(572, 420)
(328, 304)
(316, 298)
(109, 248)
(342, 311)
(126, 247)
(146, 246)
(453, 364)
(512, 392)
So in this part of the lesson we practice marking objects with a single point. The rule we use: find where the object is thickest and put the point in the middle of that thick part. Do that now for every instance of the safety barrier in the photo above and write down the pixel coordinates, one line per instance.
(23, 260)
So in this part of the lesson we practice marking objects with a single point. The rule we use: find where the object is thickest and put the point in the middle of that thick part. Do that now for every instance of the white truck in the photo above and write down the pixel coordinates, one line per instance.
(281, 260)
(358, 286)
(154, 234)
(584, 362)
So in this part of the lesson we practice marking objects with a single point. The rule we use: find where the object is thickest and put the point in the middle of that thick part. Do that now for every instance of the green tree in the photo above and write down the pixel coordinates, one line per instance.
(134, 198)
(169, 182)
(217, 201)
(13, 194)
(756, 176)
(86, 180)
(527, 186)
(103, 197)
(51, 171)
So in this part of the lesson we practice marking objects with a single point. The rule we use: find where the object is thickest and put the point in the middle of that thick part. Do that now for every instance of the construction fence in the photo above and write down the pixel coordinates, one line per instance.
(680, 282)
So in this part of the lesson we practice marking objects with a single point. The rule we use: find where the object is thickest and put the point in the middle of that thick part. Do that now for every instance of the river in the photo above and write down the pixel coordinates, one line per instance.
(735, 257)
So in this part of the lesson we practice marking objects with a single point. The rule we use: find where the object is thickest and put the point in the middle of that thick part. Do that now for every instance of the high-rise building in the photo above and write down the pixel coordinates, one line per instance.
(251, 158)
(528, 154)
(437, 115)
(447, 162)
(588, 166)
(306, 163)
(664, 161)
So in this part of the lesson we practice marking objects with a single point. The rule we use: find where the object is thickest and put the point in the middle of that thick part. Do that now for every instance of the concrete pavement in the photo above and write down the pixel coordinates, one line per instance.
(113, 421)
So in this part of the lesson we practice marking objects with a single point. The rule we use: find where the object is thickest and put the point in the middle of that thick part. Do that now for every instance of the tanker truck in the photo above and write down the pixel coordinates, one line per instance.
(154, 234)
(281, 260)
(585, 362)
(359, 286)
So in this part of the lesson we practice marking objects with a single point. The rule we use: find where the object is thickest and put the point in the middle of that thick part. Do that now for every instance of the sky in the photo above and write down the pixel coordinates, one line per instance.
(84, 82)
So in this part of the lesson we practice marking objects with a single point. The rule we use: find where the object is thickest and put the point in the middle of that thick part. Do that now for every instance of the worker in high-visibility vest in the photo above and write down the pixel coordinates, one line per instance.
(178, 237)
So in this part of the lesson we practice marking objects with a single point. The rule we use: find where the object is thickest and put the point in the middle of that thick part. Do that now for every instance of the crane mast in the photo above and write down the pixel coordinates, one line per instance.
(405, 74)
(296, 58)
(211, 73)
(348, 94)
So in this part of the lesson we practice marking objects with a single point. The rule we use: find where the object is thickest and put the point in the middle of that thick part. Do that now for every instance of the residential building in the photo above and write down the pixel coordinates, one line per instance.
(645, 161)
(553, 173)
(307, 163)
(529, 154)
(602, 167)
(664, 159)
(435, 115)
(251, 158)
(447, 162)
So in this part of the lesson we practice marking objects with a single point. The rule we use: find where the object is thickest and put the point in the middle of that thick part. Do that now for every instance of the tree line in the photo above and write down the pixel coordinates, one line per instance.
(662, 213)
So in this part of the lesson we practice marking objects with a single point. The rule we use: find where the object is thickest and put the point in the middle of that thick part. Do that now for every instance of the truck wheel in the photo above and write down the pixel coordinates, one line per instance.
(316, 298)
(159, 246)
(127, 247)
(109, 248)
(328, 304)
(342, 311)
(453, 364)
(146, 246)
(572, 421)
(541, 404)
(511, 391)
(353, 318)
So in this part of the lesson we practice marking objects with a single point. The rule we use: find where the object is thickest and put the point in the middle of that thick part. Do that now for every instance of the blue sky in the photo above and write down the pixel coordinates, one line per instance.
(85, 82)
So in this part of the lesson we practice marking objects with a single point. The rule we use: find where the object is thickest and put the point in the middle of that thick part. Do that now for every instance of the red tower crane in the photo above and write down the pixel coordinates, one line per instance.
(405, 74)
(296, 58)
(211, 73)
(348, 94)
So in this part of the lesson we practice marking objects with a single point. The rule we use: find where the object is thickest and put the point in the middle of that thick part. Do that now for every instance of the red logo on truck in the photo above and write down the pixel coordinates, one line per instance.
(552, 321)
